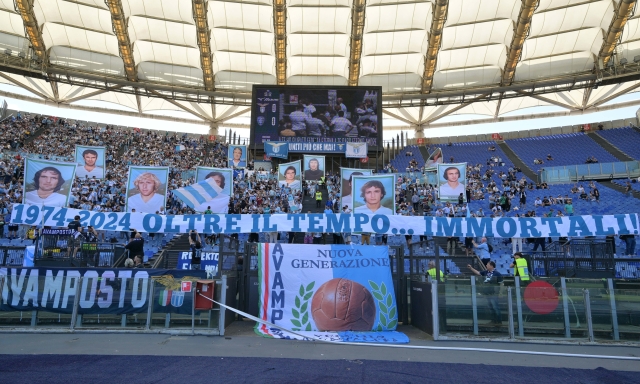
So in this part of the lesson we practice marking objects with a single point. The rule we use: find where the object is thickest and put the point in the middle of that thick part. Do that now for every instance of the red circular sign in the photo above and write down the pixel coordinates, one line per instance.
(541, 297)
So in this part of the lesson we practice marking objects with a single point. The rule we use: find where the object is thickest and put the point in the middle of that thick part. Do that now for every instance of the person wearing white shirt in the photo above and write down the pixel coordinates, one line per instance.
(373, 192)
(453, 187)
(298, 121)
(90, 169)
(147, 201)
(48, 181)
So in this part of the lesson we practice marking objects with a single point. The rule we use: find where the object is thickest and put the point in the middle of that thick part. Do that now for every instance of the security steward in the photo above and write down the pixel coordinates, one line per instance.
(520, 268)
(432, 271)
(321, 182)
(318, 199)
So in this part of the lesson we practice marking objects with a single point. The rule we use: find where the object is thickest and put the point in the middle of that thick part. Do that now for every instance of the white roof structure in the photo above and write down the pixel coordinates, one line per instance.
(432, 58)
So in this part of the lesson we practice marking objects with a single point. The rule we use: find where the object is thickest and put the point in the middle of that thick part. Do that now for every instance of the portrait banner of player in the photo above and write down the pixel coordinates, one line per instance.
(374, 195)
(237, 156)
(289, 175)
(147, 189)
(91, 162)
(313, 167)
(434, 159)
(452, 180)
(47, 183)
(224, 180)
(346, 176)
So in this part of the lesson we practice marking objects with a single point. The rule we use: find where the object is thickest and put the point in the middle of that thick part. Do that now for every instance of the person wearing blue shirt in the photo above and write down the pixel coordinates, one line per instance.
(491, 289)
(482, 250)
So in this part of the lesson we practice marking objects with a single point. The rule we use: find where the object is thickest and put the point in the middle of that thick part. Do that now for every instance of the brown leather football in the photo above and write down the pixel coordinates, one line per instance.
(343, 305)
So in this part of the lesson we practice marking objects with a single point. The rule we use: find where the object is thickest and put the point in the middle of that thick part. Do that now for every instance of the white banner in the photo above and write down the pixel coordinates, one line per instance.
(356, 150)
(505, 227)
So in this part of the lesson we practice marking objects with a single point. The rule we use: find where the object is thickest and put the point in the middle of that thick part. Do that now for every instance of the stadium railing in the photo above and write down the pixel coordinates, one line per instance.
(597, 171)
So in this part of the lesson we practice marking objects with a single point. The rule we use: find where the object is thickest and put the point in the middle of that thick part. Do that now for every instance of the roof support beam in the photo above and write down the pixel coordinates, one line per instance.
(438, 18)
(587, 95)
(32, 29)
(54, 90)
(617, 94)
(90, 94)
(620, 16)
(357, 30)
(280, 27)
(547, 100)
(398, 117)
(232, 115)
(191, 111)
(119, 23)
(24, 86)
(455, 109)
(520, 34)
(200, 8)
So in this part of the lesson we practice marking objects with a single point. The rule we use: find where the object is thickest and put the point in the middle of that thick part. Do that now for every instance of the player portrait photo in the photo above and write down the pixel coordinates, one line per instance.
(374, 195)
(91, 162)
(434, 159)
(237, 156)
(452, 181)
(47, 183)
(313, 167)
(346, 175)
(223, 179)
(147, 189)
(289, 175)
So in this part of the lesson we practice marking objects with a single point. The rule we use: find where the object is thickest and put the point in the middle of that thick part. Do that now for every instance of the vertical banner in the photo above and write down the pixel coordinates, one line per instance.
(237, 156)
(356, 150)
(147, 189)
(346, 176)
(314, 167)
(434, 159)
(223, 179)
(374, 195)
(278, 149)
(47, 182)
(325, 288)
(452, 181)
(91, 161)
(289, 175)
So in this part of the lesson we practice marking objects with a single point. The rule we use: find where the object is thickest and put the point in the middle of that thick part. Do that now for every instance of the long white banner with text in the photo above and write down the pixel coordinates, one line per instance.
(505, 227)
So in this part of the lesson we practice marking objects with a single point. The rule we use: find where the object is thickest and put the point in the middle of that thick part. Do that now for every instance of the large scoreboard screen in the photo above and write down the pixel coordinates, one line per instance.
(315, 114)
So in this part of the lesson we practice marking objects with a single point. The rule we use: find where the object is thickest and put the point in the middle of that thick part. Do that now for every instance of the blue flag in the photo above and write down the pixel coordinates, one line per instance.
(278, 149)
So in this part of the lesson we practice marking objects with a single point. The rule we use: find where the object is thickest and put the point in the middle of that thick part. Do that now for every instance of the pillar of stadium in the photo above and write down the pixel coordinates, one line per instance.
(438, 18)
(200, 8)
(280, 41)
(357, 30)
(34, 34)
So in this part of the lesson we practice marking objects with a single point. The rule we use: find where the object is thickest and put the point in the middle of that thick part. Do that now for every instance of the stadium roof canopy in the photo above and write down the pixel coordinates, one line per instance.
(432, 58)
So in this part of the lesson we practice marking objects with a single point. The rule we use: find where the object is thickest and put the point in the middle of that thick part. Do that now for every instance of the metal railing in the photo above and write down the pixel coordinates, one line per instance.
(569, 173)
(12, 256)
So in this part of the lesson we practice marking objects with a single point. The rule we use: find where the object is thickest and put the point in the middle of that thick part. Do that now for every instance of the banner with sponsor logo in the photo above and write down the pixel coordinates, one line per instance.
(101, 291)
(325, 288)
(356, 150)
(208, 262)
(278, 149)
(147, 189)
(503, 227)
(47, 182)
(91, 161)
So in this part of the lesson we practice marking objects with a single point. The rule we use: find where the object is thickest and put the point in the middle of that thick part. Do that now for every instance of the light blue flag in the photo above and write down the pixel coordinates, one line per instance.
(201, 195)
(278, 149)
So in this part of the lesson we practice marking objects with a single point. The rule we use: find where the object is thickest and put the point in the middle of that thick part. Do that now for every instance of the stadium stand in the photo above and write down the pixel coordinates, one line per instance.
(565, 149)
(626, 139)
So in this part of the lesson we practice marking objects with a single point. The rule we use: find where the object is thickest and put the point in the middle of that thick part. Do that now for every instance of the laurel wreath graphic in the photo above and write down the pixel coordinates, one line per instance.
(300, 313)
(388, 316)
